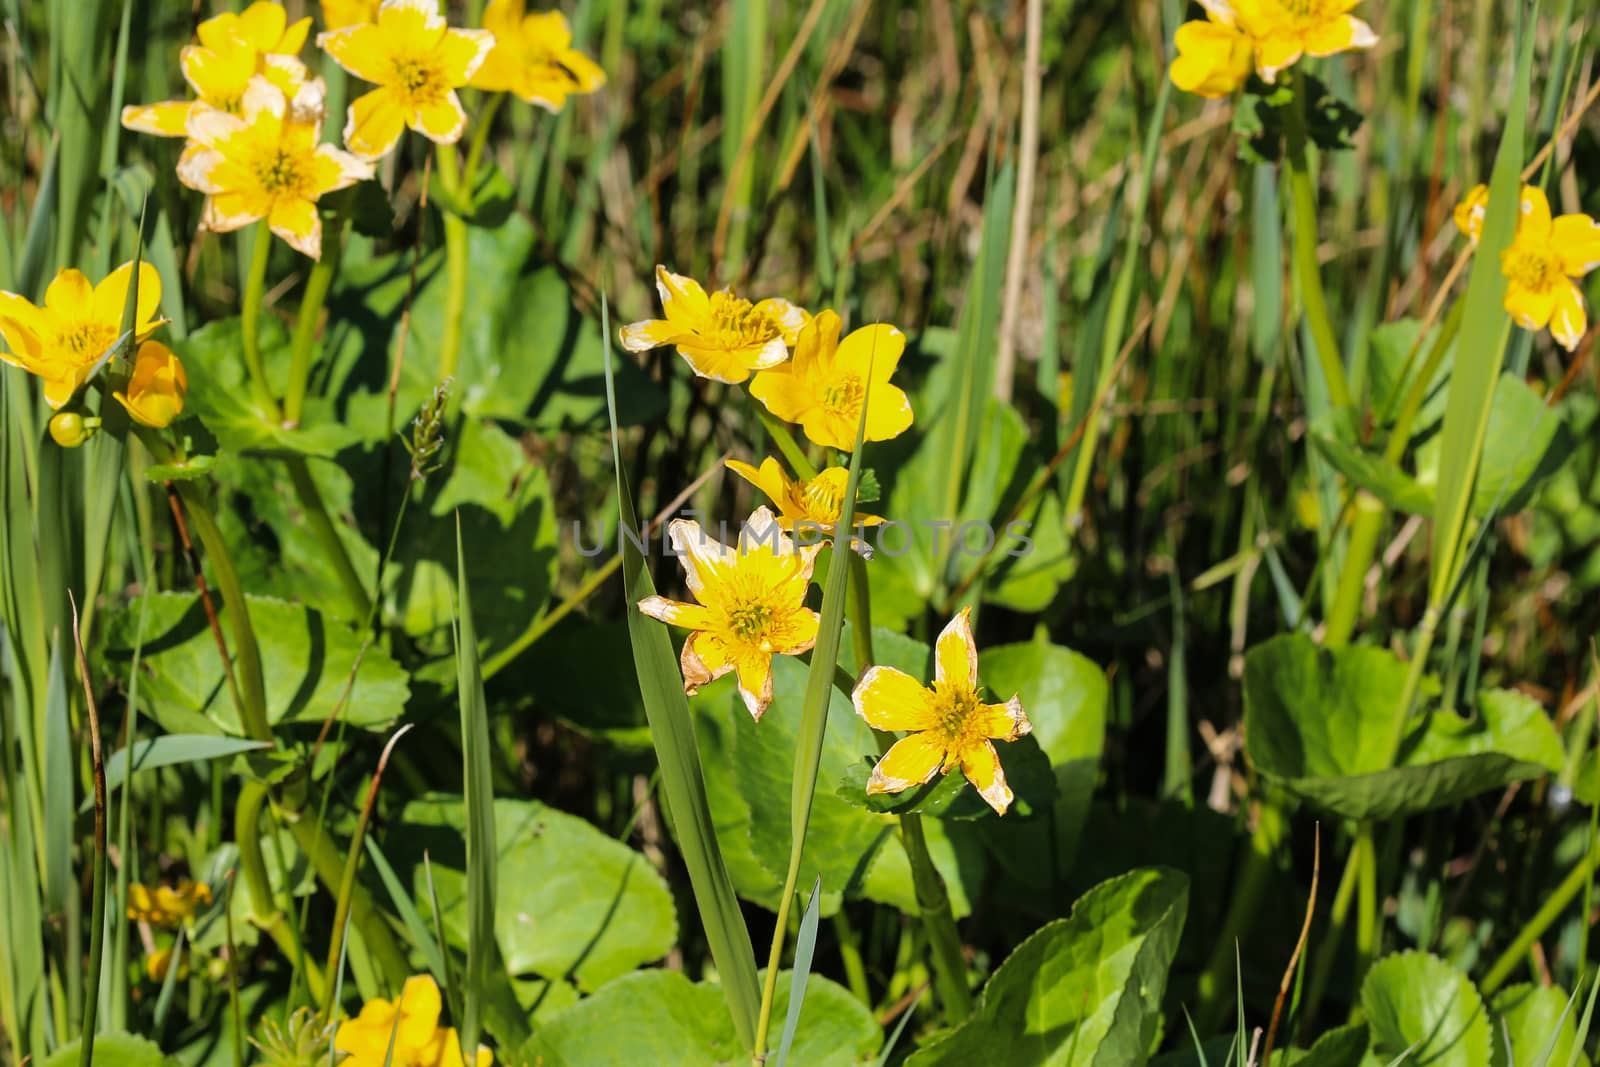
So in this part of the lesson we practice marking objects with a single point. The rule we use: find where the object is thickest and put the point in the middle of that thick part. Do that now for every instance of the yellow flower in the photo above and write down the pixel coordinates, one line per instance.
(413, 1022)
(722, 336)
(159, 962)
(751, 604)
(67, 338)
(949, 723)
(822, 388)
(232, 50)
(337, 14)
(1543, 258)
(156, 387)
(533, 57)
(268, 163)
(1214, 57)
(1285, 30)
(164, 905)
(263, 26)
(418, 63)
(816, 503)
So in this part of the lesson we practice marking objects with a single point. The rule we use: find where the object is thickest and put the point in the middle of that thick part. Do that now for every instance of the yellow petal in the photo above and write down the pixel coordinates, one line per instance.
(419, 1011)
(755, 682)
(376, 121)
(218, 76)
(910, 761)
(1568, 320)
(790, 318)
(1469, 213)
(732, 365)
(442, 121)
(503, 18)
(1535, 223)
(297, 222)
(877, 347)
(166, 119)
(1276, 54)
(893, 700)
(1339, 34)
(226, 212)
(703, 557)
(1213, 60)
(651, 333)
(682, 298)
(888, 414)
(689, 616)
(70, 295)
(262, 24)
(955, 654)
(585, 72)
(460, 53)
(1531, 308)
(361, 49)
(1576, 240)
(981, 765)
(1006, 722)
(704, 659)
(111, 295)
(782, 392)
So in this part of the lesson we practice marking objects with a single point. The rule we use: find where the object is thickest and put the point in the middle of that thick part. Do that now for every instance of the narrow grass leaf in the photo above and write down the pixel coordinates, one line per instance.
(168, 750)
(805, 947)
(406, 908)
(478, 799)
(682, 778)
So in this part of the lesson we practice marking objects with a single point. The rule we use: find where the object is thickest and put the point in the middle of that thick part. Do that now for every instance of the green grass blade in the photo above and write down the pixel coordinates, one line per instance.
(406, 908)
(805, 947)
(478, 790)
(682, 779)
(1482, 344)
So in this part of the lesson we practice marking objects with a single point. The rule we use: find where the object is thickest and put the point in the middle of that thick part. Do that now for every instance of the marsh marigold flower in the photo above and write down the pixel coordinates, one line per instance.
(166, 905)
(721, 336)
(417, 63)
(232, 49)
(413, 1021)
(337, 14)
(1274, 34)
(816, 503)
(1543, 259)
(63, 341)
(267, 163)
(751, 604)
(156, 387)
(824, 386)
(533, 57)
(950, 725)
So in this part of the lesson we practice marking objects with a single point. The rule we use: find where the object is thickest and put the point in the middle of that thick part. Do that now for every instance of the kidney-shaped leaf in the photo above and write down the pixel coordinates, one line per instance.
(1084, 990)
(113, 1050)
(662, 1017)
(1418, 1002)
(571, 902)
(307, 663)
(1318, 722)
(1541, 1025)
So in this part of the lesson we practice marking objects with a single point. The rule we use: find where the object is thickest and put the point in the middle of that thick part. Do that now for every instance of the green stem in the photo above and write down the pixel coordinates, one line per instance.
(855, 971)
(1417, 392)
(327, 861)
(1413, 684)
(1242, 913)
(542, 625)
(1516, 953)
(944, 940)
(480, 137)
(769, 985)
(250, 319)
(1365, 856)
(310, 315)
(322, 528)
(265, 913)
(1366, 523)
(778, 430)
(1303, 206)
(455, 261)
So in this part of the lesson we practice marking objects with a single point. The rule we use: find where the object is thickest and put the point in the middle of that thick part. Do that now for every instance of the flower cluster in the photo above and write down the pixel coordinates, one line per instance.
(1265, 37)
(750, 595)
(1543, 259)
(77, 331)
(166, 905)
(411, 1023)
(254, 124)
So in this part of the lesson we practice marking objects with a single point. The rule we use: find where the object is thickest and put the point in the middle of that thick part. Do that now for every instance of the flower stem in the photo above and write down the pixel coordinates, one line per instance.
(1366, 523)
(250, 319)
(322, 528)
(1303, 205)
(1325, 958)
(480, 137)
(1557, 902)
(1366, 854)
(455, 262)
(778, 430)
(305, 327)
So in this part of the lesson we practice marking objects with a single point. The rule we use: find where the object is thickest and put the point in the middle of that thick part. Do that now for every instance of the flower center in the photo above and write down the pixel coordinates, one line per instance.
(1531, 268)
(1307, 10)
(279, 172)
(843, 396)
(737, 322)
(821, 501)
(748, 620)
(419, 78)
(86, 340)
(955, 707)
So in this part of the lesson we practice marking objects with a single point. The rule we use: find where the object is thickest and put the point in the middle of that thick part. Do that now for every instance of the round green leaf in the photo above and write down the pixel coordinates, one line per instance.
(307, 664)
(1317, 722)
(1084, 990)
(1418, 1002)
(571, 903)
(1540, 1022)
(113, 1050)
(662, 1017)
